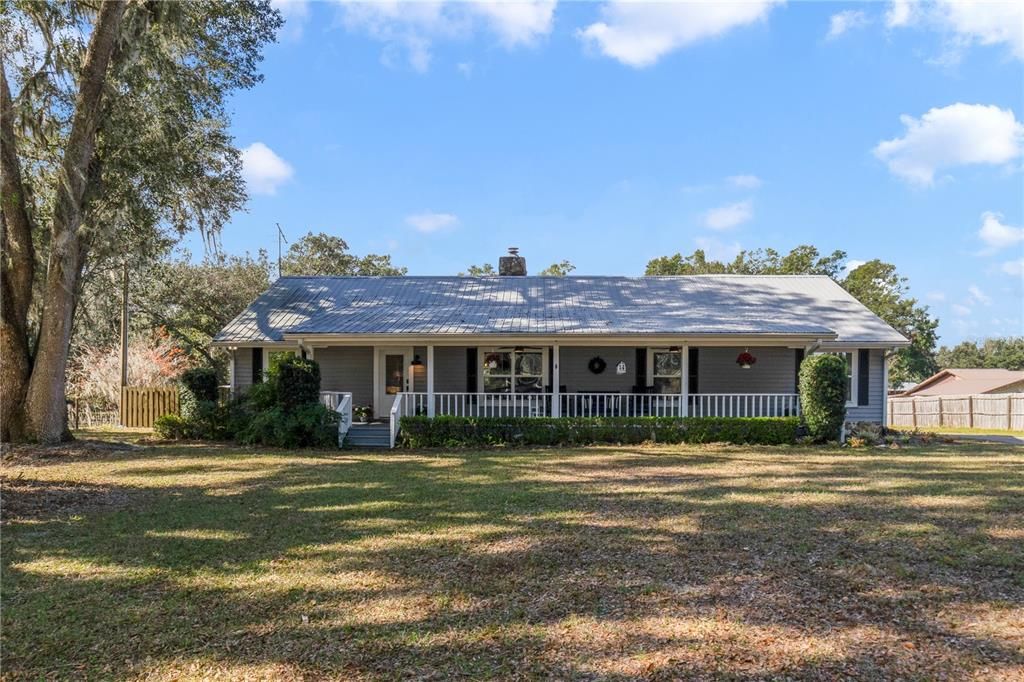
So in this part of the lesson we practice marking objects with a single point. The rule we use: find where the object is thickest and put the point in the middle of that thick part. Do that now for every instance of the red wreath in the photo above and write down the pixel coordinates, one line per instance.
(745, 359)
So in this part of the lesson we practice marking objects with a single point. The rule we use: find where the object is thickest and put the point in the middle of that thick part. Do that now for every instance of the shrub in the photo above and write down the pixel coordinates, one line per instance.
(171, 427)
(823, 395)
(197, 385)
(309, 425)
(420, 431)
(298, 383)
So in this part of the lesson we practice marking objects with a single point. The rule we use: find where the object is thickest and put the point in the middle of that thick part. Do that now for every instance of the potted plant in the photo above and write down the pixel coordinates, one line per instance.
(745, 360)
(363, 413)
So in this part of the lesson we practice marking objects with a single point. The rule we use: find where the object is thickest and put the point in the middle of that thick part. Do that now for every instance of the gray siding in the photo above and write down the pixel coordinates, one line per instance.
(872, 412)
(243, 368)
(347, 369)
(574, 375)
(774, 371)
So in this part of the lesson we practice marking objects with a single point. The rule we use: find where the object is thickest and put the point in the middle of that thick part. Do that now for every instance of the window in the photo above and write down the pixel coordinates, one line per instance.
(513, 371)
(667, 371)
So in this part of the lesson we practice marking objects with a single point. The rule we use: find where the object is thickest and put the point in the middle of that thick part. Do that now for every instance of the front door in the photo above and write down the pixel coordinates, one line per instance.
(396, 377)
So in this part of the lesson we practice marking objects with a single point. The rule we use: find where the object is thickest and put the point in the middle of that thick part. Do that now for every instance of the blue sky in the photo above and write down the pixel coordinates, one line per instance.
(610, 134)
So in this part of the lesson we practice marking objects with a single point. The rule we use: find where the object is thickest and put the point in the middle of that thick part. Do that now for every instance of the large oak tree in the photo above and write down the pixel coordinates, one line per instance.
(114, 138)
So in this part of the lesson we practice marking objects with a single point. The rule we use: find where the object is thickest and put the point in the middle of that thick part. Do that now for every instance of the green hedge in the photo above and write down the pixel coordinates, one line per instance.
(196, 388)
(298, 383)
(823, 395)
(421, 432)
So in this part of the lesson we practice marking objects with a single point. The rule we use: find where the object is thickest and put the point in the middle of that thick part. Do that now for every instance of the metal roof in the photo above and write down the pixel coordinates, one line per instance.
(579, 306)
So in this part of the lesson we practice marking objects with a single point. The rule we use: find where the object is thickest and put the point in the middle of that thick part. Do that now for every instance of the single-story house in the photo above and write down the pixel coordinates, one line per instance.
(518, 345)
(970, 382)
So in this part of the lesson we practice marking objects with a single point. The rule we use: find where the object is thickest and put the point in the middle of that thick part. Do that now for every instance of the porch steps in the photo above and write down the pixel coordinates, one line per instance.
(369, 436)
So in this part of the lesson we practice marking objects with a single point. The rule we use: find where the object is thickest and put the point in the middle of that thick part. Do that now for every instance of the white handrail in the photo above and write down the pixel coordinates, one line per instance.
(396, 415)
(340, 402)
(344, 411)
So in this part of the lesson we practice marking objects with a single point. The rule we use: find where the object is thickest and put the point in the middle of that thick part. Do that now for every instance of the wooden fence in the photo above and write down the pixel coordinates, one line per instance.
(141, 405)
(979, 411)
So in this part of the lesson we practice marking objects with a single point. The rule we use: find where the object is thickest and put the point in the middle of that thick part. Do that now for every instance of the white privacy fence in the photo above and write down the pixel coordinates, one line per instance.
(601, 404)
(979, 411)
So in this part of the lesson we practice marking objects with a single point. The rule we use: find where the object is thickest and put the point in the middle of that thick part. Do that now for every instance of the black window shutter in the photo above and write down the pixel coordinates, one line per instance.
(257, 365)
(471, 365)
(694, 367)
(799, 361)
(863, 376)
(641, 369)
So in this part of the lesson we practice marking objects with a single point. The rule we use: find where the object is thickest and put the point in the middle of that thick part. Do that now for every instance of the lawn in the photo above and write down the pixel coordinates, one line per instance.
(196, 562)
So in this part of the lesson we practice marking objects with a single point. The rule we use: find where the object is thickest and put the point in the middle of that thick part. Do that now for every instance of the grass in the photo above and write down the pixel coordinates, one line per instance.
(198, 562)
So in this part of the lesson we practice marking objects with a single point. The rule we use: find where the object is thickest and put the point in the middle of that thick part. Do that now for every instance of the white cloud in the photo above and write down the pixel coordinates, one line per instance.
(263, 170)
(996, 234)
(935, 296)
(295, 14)
(965, 23)
(900, 13)
(852, 265)
(985, 23)
(517, 23)
(465, 68)
(956, 135)
(845, 21)
(412, 28)
(976, 295)
(961, 310)
(428, 221)
(639, 34)
(715, 249)
(1014, 267)
(745, 181)
(728, 217)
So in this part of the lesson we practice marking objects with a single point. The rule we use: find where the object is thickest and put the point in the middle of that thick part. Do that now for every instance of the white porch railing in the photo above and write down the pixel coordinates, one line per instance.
(599, 404)
(745, 405)
(340, 402)
(396, 416)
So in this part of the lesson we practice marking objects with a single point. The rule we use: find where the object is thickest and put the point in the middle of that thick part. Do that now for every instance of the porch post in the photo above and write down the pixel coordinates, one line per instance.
(430, 381)
(556, 402)
(684, 383)
(231, 372)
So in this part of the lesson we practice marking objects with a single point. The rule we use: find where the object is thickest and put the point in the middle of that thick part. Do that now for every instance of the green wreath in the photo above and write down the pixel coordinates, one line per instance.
(597, 365)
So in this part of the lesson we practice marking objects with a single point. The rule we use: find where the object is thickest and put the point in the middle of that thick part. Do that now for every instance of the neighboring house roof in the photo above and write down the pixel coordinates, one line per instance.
(967, 381)
(699, 304)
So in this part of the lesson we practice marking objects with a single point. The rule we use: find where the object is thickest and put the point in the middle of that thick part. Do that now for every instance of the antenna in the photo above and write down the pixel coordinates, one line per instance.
(280, 238)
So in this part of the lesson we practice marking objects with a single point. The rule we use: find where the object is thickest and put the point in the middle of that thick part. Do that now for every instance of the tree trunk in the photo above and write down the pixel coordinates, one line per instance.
(17, 269)
(46, 412)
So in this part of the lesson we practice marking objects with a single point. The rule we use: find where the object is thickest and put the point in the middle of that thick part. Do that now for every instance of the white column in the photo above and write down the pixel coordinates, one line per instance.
(684, 368)
(885, 390)
(556, 400)
(430, 381)
(231, 372)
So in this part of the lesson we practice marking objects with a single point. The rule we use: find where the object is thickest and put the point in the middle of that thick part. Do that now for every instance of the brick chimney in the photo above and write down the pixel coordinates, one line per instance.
(512, 265)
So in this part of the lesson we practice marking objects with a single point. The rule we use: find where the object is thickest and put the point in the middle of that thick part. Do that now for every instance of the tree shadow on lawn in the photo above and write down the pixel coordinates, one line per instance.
(572, 564)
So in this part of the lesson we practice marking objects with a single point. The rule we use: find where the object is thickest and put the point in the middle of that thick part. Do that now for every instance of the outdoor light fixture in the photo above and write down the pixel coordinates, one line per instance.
(416, 362)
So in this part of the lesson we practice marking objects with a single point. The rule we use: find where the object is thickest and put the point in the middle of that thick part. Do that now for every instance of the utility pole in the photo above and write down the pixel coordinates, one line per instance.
(124, 337)
(280, 238)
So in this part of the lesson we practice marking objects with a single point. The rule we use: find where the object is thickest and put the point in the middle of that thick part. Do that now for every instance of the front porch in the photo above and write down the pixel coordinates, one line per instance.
(557, 380)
